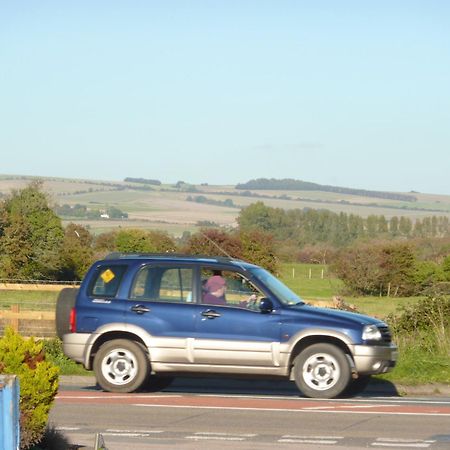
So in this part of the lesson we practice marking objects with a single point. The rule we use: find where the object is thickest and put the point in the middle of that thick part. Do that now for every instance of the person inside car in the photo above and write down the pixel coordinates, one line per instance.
(215, 289)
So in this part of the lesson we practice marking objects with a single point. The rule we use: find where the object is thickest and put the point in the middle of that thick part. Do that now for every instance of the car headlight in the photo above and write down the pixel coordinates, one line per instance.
(371, 333)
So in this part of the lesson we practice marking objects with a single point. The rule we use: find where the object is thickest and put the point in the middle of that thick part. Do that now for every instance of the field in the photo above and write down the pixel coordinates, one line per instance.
(165, 207)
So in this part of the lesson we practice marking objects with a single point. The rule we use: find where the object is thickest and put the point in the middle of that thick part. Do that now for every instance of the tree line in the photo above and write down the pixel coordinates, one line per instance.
(371, 255)
(289, 184)
(311, 226)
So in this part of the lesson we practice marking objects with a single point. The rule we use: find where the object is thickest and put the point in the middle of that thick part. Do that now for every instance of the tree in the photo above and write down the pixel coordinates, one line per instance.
(77, 253)
(141, 241)
(31, 235)
(370, 269)
(256, 215)
(213, 242)
(258, 247)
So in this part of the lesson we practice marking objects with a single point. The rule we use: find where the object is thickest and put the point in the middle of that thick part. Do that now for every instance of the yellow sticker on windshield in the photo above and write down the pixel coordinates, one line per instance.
(107, 276)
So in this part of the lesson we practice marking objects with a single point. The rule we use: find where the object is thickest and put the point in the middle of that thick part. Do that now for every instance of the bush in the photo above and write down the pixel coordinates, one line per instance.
(422, 333)
(38, 383)
(377, 268)
(429, 314)
(55, 355)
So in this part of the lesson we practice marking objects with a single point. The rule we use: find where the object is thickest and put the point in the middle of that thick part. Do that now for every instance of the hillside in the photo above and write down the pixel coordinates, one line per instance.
(181, 207)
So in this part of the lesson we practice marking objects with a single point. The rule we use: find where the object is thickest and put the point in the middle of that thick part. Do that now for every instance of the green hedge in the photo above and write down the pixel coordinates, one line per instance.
(38, 383)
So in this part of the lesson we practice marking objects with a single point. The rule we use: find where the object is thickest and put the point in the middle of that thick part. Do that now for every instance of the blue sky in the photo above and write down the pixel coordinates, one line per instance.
(347, 93)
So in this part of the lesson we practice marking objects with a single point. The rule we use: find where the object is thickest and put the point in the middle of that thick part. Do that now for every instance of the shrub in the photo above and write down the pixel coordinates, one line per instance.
(422, 333)
(55, 355)
(38, 383)
(370, 269)
(427, 314)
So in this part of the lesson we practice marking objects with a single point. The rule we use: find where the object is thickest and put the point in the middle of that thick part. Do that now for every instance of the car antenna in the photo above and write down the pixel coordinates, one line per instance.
(216, 245)
(222, 250)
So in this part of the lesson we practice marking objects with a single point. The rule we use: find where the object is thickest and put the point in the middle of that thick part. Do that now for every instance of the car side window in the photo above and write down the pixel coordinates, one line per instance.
(228, 288)
(163, 284)
(106, 281)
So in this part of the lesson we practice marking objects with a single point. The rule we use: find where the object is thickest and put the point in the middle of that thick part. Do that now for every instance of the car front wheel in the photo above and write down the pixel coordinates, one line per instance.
(121, 366)
(322, 371)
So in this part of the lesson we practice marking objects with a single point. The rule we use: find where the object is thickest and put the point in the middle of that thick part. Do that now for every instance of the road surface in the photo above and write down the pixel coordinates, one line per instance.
(222, 414)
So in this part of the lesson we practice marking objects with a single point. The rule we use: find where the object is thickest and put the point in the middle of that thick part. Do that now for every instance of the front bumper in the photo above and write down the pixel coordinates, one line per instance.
(372, 359)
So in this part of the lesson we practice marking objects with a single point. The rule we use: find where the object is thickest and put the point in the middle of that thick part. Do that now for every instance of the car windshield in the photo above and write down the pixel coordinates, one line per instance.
(280, 290)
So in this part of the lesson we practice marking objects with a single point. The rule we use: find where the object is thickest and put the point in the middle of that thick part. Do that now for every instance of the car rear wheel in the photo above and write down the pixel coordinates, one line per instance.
(121, 366)
(322, 371)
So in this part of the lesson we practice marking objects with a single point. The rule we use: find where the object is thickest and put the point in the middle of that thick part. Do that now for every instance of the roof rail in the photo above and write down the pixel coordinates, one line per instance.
(119, 255)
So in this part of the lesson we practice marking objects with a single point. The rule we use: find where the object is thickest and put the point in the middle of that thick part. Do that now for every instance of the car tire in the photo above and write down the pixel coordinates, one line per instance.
(121, 365)
(322, 371)
(64, 304)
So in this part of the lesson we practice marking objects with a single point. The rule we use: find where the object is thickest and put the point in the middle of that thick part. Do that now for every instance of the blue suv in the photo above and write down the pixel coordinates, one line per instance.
(140, 320)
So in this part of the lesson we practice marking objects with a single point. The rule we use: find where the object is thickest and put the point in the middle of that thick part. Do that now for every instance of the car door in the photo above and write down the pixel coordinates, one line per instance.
(161, 302)
(236, 333)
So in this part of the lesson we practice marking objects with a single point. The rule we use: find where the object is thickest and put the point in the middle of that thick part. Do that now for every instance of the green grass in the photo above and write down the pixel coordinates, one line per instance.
(423, 358)
(54, 353)
(310, 281)
(36, 300)
(314, 282)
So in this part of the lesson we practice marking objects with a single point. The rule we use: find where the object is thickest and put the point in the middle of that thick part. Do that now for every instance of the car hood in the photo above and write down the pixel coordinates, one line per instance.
(326, 316)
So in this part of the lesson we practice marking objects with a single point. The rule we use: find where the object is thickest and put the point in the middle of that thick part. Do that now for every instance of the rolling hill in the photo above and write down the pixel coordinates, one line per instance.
(182, 207)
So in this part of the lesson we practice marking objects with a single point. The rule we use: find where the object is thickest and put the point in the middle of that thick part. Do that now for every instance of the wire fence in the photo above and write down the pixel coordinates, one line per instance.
(43, 282)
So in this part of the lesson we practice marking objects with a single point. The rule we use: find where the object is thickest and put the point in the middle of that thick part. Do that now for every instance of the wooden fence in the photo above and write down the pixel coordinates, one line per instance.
(29, 321)
(30, 318)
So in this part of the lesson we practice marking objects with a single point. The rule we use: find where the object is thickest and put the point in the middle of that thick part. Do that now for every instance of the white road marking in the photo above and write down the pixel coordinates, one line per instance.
(106, 397)
(215, 438)
(289, 436)
(289, 439)
(375, 400)
(126, 434)
(67, 428)
(403, 443)
(306, 441)
(302, 410)
(316, 408)
(209, 433)
(109, 430)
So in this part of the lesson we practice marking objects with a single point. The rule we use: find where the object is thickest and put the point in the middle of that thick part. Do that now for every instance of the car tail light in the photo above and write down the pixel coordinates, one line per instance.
(73, 320)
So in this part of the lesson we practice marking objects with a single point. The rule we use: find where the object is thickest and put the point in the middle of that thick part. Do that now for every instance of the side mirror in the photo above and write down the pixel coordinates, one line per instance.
(265, 305)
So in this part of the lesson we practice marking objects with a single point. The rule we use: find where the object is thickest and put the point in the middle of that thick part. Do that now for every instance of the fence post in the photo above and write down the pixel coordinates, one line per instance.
(15, 321)
(9, 412)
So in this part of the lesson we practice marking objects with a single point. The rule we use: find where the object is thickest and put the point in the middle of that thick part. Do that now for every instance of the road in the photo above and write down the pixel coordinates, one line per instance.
(222, 414)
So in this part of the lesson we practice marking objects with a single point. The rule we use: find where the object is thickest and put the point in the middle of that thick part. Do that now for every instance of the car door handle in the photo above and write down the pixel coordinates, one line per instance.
(140, 309)
(210, 314)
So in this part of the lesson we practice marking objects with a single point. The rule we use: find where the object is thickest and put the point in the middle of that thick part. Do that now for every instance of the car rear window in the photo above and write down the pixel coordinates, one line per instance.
(163, 284)
(106, 281)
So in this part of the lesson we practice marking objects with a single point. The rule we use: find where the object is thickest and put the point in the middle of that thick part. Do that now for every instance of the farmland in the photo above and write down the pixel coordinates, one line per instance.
(167, 207)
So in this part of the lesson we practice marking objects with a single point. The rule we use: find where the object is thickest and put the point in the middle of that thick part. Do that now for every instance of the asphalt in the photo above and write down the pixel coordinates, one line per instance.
(272, 387)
